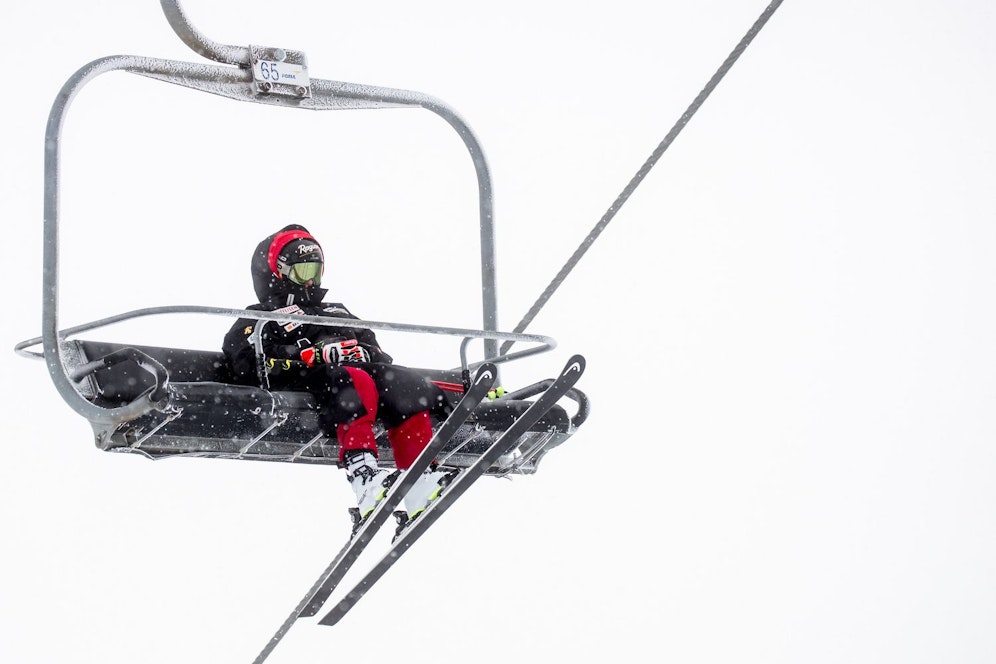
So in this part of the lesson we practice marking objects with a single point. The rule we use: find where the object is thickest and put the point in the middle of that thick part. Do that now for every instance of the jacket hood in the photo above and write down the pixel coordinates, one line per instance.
(270, 287)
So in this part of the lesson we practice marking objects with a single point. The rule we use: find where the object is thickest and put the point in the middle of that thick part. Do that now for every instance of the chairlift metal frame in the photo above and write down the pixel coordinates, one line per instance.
(264, 75)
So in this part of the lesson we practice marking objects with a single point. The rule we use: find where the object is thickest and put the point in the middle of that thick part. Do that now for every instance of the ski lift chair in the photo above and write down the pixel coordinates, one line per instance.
(174, 402)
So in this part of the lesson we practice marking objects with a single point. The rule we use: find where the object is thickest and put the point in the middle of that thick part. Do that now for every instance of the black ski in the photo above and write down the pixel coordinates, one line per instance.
(504, 444)
(340, 565)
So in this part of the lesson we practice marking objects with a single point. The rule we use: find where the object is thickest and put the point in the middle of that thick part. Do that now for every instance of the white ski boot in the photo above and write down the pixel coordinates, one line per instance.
(370, 484)
(426, 489)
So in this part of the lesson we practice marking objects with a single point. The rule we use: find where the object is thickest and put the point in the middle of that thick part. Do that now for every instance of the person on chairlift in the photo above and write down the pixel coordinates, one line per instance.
(354, 382)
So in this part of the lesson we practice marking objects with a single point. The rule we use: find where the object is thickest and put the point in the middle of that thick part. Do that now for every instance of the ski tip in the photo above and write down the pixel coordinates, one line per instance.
(576, 363)
(487, 371)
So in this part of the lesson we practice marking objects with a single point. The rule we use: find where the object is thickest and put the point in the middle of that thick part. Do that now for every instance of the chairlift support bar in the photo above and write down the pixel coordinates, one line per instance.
(242, 82)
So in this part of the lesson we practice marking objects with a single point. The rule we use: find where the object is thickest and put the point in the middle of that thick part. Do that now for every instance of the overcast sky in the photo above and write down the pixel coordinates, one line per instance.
(789, 329)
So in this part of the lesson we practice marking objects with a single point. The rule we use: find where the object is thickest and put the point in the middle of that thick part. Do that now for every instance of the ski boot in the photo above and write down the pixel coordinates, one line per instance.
(426, 489)
(370, 484)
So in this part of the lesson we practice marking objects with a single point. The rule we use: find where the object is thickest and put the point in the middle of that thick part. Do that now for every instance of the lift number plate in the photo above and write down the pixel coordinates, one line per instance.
(285, 73)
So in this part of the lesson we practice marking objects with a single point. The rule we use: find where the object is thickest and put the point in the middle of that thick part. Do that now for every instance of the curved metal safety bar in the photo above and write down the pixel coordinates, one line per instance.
(546, 343)
(104, 415)
(237, 83)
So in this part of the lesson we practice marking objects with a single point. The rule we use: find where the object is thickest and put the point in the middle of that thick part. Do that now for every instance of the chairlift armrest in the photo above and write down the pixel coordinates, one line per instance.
(156, 393)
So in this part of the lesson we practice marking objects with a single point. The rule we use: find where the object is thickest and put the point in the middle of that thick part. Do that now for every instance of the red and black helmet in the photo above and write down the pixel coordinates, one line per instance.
(287, 267)
(296, 255)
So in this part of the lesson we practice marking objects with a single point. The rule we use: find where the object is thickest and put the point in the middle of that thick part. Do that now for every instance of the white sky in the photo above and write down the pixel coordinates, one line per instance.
(789, 330)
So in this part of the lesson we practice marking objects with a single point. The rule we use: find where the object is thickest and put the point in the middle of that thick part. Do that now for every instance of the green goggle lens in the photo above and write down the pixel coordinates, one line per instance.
(302, 273)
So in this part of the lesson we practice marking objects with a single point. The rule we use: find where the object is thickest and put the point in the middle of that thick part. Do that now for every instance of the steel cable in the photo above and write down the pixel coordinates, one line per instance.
(644, 170)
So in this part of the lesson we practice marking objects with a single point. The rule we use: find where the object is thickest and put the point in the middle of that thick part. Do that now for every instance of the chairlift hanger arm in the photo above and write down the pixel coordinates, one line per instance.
(192, 37)
(332, 95)
(238, 82)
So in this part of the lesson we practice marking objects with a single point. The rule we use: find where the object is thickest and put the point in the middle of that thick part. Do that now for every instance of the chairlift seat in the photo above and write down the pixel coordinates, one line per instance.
(207, 414)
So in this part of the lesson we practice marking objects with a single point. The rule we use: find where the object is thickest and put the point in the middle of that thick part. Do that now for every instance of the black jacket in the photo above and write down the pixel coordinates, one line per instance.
(401, 392)
(285, 342)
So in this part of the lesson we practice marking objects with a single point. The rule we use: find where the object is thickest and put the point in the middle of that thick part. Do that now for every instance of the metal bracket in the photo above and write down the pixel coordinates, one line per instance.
(276, 71)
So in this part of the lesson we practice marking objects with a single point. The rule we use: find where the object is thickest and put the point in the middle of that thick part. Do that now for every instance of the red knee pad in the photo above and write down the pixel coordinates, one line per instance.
(359, 434)
(409, 438)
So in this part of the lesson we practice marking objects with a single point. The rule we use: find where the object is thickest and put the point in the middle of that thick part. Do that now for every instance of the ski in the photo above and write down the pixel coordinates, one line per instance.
(343, 561)
(502, 445)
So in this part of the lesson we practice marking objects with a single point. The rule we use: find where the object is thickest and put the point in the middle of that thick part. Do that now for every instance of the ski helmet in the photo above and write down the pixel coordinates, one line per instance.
(287, 267)
(300, 258)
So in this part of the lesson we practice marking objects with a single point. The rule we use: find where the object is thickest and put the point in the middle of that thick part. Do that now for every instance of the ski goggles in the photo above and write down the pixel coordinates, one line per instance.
(302, 273)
